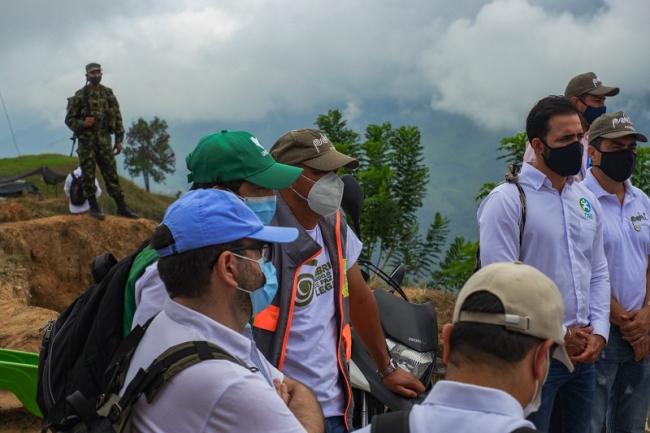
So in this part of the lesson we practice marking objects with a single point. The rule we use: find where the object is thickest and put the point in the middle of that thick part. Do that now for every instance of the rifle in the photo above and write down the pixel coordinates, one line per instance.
(74, 141)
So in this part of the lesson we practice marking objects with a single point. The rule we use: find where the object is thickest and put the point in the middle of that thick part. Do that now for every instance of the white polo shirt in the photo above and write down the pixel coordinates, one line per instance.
(460, 407)
(563, 238)
(213, 395)
(627, 241)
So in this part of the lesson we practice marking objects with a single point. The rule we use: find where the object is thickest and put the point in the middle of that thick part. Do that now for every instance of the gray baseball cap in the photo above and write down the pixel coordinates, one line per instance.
(614, 125)
(312, 148)
(588, 83)
(531, 301)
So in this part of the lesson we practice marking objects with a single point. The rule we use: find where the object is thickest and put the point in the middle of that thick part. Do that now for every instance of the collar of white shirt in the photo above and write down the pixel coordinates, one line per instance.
(592, 183)
(234, 343)
(475, 398)
(535, 178)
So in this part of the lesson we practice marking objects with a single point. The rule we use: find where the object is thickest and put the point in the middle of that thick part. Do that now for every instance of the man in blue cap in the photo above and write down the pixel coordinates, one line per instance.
(214, 261)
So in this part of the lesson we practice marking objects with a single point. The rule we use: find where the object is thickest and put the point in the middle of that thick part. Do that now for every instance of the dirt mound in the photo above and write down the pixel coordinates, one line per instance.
(45, 264)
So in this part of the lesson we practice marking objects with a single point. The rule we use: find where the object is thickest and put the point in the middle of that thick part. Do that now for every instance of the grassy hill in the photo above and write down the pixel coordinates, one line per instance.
(146, 204)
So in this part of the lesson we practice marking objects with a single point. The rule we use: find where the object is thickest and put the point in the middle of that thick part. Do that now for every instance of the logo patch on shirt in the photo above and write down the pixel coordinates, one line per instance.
(586, 208)
(314, 282)
(636, 220)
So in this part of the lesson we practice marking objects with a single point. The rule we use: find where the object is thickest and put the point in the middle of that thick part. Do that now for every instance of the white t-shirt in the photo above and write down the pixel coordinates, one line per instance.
(312, 346)
(66, 189)
(214, 395)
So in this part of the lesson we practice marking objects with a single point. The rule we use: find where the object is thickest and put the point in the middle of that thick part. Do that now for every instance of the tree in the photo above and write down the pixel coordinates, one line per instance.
(458, 265)
(148, 152)
(511, 149)
(641, 175)
(394, 178)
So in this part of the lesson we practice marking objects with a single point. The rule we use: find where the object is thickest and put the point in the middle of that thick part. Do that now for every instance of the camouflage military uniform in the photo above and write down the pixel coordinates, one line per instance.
(95, 142)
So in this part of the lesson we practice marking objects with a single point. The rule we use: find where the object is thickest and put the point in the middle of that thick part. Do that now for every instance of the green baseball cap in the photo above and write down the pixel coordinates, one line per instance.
(614, 125)
(588, 83)
(312, 148)
(233, 155)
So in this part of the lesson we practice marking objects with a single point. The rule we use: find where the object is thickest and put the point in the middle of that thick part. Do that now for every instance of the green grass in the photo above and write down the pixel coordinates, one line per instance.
(146, 204)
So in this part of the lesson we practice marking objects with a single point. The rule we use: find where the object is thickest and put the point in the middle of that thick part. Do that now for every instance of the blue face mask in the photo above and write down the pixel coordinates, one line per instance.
(592, 113)
(262, 297)
(264, 207)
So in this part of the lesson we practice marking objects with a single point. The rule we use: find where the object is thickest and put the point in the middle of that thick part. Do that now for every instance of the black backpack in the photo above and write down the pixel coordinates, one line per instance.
(77, 197)
(110, 413)
(78, 346)
(511, 177)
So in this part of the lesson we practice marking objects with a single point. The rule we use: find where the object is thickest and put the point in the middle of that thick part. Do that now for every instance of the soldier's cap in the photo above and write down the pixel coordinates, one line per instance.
(588, 84)
(237, 155)
(312, 148)
(614, 125)
(205, 217)
(93, 67)
(532, 303)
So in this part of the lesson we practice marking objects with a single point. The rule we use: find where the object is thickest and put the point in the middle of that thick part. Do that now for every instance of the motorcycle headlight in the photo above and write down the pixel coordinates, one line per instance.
(410, 360)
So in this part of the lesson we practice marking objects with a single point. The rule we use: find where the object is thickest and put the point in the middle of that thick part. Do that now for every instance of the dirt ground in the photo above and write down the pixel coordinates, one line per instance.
(44, 266)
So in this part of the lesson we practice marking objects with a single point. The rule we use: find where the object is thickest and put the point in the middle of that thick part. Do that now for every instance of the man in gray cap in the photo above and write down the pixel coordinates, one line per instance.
(623, 369)
(306, 331)
(587, 93)
(507, 324)
(93, 114)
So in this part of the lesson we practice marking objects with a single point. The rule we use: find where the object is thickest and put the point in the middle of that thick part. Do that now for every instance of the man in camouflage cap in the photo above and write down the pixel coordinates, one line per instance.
(93, 114)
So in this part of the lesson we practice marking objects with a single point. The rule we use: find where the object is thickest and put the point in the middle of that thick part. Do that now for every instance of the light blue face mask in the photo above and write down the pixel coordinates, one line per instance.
(264, 207)
(262, 297)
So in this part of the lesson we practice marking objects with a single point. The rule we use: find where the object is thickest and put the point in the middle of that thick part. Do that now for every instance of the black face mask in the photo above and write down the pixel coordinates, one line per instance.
(618, 165)
(565, 161)
(95, 80)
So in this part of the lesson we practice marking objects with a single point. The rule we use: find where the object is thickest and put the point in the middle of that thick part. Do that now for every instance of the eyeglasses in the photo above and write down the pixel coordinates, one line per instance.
(263, 249)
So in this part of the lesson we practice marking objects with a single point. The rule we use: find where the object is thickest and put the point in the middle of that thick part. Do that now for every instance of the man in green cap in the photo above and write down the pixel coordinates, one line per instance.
(93, 114)
(305, 332)
(587, 93)
(228, 160)
(623, 370)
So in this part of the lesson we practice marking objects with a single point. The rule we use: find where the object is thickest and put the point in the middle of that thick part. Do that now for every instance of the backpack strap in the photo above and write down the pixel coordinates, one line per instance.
(167, 365)
(512, 177)
(391, 422)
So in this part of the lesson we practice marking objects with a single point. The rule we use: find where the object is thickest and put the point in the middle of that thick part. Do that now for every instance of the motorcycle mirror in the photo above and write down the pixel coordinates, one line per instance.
(352, 201)
(398, 273)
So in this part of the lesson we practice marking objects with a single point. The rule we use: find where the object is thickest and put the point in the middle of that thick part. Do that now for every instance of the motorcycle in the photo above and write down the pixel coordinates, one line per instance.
(410, 329)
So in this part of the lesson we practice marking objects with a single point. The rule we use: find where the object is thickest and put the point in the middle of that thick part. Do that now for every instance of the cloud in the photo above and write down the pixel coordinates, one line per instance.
(494, 66)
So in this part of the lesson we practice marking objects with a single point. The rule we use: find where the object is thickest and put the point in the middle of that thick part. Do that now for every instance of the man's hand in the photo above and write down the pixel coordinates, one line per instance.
(403, 383)
(617, 314)
(282, 390)
(89, 121)
(641, 348)
(595, 345)
(118, 147)
(638, 326)
(574, 341)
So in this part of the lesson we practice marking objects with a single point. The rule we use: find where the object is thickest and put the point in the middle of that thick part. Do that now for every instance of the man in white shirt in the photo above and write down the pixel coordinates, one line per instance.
(623, 369)
(214, 261)
(507, 324)
(563, 238)
(587, 93)
(84, 206)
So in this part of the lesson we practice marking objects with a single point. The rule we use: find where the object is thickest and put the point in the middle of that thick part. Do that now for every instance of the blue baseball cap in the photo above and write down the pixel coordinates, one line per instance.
(206, 217)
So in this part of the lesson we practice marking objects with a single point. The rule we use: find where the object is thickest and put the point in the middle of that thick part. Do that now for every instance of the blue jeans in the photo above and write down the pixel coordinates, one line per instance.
(335, 424)
(566, 399)
(622, 388)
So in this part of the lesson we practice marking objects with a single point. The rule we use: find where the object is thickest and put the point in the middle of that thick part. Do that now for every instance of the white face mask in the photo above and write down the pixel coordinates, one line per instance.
(325, 196)
(536, 402)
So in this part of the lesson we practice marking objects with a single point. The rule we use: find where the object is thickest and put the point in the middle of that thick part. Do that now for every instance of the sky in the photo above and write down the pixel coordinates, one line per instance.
(466, 73)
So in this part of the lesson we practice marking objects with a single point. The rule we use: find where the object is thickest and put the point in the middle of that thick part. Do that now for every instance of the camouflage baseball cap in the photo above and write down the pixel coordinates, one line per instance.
(93, 67)
(235, 155)
(588, 83)
(312, 148)
(531, 301)
(614, 125)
